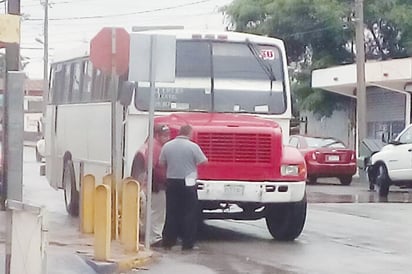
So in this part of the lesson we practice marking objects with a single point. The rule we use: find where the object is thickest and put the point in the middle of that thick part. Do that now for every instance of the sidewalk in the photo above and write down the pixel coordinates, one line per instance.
(70, 252)
(61, 258)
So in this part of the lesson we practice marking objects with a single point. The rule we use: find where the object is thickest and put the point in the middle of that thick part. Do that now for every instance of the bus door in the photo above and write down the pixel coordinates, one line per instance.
(50, 145)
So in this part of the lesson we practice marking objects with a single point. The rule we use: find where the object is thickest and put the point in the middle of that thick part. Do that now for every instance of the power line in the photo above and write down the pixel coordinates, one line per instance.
(123, 14)
(310, 31)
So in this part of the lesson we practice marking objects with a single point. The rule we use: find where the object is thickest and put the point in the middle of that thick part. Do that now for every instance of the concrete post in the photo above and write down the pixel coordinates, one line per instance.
(110, 181)
(130, 215)
(102, 224)
(87, 204)
(107, 180)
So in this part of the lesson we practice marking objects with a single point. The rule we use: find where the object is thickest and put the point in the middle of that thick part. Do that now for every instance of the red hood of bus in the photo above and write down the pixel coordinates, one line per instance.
(238, 147)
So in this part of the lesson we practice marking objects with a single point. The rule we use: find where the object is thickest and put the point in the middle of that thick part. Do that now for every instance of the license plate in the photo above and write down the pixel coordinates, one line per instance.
(333, 158)
(234, 189)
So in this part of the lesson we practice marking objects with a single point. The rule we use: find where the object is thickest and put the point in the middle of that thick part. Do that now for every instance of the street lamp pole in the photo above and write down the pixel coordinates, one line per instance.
(45, 56)
(360, 72)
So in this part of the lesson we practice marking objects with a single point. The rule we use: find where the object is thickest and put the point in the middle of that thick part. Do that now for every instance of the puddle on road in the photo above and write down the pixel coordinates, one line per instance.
(363, 197)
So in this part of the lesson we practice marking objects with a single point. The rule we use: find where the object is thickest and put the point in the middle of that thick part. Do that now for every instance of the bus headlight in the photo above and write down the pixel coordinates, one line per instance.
(289, 170)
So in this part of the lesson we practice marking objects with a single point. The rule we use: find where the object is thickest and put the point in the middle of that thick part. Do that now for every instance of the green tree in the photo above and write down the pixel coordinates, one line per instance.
(320, 33)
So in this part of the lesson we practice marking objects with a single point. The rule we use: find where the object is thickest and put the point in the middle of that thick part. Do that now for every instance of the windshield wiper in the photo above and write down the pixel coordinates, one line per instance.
(267, 68)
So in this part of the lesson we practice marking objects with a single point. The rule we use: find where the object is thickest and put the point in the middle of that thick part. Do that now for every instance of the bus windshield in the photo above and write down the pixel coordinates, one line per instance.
(214, 76)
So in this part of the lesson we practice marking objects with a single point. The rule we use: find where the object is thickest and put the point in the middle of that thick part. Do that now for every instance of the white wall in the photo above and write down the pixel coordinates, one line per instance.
(338, 126)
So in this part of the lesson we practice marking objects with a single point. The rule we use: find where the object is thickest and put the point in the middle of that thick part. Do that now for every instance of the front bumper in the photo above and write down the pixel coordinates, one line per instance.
(259, 192)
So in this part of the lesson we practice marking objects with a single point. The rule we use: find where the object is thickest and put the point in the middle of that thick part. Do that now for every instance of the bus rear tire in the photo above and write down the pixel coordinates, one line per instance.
(71, 195)
(285, 221)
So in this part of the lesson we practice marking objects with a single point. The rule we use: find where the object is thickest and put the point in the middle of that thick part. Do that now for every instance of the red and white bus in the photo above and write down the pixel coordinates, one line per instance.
(233, 88)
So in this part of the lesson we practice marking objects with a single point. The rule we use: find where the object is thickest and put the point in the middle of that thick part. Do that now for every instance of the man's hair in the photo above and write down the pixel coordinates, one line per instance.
(185, 130)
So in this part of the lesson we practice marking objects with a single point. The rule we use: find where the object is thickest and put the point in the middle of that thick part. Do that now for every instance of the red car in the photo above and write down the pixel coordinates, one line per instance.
(326, 157)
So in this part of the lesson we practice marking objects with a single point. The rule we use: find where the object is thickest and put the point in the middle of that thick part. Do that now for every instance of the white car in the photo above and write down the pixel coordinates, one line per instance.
(392, 165)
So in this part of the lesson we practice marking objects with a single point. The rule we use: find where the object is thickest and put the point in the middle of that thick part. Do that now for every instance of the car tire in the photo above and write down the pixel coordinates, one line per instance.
(371, 175)
(382, 180)
(311, 180)
(285, 221)
(345, 180)
(71, 195)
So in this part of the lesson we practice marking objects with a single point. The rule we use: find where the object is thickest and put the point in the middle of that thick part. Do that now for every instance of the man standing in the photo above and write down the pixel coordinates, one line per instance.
(139, 172)
(181, 157)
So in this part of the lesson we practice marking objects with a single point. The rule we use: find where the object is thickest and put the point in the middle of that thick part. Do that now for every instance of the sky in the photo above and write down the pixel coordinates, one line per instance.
(73, 23)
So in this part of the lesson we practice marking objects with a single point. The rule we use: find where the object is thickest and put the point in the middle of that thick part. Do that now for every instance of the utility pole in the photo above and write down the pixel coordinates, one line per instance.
(12, 64)
(12, 151)
(360, 73)
(45, 58)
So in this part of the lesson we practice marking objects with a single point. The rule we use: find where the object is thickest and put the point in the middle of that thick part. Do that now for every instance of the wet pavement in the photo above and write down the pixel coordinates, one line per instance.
(337, 238)
(331, 191)
(349, 229)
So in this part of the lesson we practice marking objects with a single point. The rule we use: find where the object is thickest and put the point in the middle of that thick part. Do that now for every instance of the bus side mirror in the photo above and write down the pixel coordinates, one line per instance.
(125, 92)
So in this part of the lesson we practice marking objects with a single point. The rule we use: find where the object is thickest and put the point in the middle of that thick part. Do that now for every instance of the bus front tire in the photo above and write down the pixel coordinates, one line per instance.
(285, 221)
(71, 195)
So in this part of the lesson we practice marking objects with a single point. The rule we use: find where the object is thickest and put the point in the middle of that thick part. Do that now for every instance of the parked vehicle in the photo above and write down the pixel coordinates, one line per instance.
(392, 165)
(326, 157)
(240, 119)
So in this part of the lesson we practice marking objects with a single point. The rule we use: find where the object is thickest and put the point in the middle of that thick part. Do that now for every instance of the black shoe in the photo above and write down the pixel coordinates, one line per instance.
(166, 246)
(158, 243)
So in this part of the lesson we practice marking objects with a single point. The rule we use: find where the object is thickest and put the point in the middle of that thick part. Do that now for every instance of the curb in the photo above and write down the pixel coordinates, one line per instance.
(101, 267)
(119, 263)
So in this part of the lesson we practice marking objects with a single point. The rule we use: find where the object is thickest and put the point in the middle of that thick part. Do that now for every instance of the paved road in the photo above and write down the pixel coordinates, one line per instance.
(348, 230)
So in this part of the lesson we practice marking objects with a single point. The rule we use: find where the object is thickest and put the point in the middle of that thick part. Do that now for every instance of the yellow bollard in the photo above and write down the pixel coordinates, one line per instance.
(130, 215)
(109, 181)
(102, 224)
(87, 204)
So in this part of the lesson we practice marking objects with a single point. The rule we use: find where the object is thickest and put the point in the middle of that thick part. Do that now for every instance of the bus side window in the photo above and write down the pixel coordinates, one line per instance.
(87, 81)
(76, 86)
(97, 85)
(106, 88)
(67, 88)
(58, 84)
(52, 85)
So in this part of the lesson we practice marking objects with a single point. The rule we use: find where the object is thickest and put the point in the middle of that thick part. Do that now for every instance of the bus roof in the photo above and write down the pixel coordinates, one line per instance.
(216, 35)
(83, 50)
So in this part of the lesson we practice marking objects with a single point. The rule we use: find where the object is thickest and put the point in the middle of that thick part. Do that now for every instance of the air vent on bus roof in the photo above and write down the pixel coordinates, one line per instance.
(210, 36)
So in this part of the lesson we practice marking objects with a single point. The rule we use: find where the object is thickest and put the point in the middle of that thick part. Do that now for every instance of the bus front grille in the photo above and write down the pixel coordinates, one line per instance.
(236, 147)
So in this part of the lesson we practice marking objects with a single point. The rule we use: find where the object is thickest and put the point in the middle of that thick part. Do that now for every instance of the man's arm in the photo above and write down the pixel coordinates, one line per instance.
(200, 157)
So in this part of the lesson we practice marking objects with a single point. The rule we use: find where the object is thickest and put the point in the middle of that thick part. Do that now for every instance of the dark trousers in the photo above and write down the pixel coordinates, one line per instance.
(181, 213)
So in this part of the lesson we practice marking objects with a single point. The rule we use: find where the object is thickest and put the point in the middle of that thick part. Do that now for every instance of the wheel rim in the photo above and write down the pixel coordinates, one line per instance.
(67, 187)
